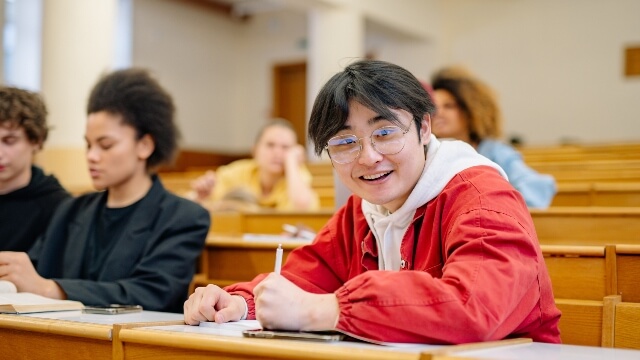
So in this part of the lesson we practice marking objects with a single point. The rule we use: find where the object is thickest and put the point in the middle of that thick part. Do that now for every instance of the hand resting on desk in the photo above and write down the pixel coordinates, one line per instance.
(280, 304)
(211, 303)
(17, 268)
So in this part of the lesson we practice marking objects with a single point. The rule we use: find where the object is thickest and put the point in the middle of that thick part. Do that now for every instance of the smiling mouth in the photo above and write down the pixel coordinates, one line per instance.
(375, 176)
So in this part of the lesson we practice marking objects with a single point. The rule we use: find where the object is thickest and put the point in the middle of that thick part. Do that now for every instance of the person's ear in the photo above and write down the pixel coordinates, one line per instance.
(36, 147)
(425, 129)
(145, 147)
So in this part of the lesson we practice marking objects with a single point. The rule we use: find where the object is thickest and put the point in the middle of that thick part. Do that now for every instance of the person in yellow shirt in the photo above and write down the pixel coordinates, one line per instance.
(275, 177)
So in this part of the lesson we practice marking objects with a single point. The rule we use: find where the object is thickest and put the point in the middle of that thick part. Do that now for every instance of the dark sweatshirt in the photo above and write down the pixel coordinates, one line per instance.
(25, 213)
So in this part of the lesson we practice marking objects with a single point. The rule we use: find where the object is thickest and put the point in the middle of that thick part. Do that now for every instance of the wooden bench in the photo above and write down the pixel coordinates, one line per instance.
(598, 194)
(591, 170)
(587, 225)
(227, 259)
(267, 221)
(576, 153)
(628, 272)
(587, 322)
(627, 325)
(580, 272)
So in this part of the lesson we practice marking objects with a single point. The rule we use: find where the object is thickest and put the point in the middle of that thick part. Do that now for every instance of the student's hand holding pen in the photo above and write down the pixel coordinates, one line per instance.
(211, 303)
(280, 304)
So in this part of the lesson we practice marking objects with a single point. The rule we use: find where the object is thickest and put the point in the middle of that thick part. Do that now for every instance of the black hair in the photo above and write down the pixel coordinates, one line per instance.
(378, 85)
(144, 105)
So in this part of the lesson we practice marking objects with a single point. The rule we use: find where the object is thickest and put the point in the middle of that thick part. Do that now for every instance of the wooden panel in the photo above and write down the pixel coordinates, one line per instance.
(36, 338)
(577, 272)
(33, 345)
(195, 158)
(573, 153)
(581, 322)
(266, 222)
(627, 326)
(226, 222)
(598, 194)
(632, 61)
(271, 222)
(156, 344)
(591, 170)
(289, 96)
(628, 272)
(587, 225)
(232, 259)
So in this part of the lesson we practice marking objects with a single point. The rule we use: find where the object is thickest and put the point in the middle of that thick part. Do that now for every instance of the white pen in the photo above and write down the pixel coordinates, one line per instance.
(278, 259)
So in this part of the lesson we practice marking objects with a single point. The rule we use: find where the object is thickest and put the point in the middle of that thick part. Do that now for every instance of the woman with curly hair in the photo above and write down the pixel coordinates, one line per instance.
(133, 242)
(467, 110)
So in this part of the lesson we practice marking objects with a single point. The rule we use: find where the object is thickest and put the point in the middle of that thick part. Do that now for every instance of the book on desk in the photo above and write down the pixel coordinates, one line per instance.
(13, 302)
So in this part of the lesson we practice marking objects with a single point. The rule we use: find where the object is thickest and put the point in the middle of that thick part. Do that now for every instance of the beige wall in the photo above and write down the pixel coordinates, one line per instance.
(557, 65)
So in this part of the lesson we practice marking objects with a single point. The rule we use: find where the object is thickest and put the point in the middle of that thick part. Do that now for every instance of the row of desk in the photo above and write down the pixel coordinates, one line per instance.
(151, 335)
(561, 225)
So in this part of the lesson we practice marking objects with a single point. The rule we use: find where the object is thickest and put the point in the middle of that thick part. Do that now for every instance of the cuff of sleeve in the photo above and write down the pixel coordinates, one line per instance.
(246, 307)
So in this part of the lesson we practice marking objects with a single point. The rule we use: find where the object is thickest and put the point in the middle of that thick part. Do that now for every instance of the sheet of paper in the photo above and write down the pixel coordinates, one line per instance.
(78, 316)
(7, 287)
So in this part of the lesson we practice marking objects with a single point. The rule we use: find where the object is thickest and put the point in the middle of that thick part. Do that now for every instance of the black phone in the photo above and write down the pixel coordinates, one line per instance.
(112, 309)
(294, 335)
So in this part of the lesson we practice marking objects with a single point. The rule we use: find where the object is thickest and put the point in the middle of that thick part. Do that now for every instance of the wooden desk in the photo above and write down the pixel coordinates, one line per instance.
(266, 222)
(228, 259)
(192, 342)
(587, 225)
(537, 351)
(53, 336)
(37, 338)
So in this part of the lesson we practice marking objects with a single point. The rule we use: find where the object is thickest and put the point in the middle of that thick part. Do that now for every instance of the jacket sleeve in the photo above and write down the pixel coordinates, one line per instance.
(487, 288)
(162, 269)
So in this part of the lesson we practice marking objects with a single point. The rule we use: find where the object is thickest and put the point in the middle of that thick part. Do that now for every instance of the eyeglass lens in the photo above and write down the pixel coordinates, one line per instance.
(386, 140)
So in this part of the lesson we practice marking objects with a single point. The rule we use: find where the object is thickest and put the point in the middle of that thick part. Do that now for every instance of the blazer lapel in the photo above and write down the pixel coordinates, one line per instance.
(129, 248)
(79, 233)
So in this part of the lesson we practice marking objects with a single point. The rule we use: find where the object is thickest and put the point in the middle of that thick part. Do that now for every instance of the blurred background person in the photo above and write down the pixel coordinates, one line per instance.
(28, 197)
(467, 110)
(276, 177)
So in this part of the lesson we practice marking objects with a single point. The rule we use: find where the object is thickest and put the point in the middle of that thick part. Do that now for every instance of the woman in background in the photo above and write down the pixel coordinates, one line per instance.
(275, 177)
(467, 110)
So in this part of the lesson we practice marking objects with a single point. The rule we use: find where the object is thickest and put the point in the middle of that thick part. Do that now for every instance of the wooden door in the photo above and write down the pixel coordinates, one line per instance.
(290, 96)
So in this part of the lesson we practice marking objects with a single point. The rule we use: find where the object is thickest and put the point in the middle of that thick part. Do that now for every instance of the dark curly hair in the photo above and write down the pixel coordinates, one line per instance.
(25, 109)
(475, 98)
(144, 105)
(378, 85)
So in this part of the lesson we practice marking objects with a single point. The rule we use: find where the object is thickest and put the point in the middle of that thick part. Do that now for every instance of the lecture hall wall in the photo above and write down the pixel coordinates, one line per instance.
(556, 65)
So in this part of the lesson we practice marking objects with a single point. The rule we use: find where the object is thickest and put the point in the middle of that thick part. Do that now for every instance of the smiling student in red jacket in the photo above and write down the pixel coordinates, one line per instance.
(435, 246)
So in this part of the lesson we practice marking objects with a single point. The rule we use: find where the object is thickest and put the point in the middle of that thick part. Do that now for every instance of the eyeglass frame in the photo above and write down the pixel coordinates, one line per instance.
(373, 145)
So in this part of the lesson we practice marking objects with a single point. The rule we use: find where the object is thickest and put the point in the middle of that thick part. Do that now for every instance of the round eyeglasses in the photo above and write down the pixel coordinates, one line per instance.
(387, 140)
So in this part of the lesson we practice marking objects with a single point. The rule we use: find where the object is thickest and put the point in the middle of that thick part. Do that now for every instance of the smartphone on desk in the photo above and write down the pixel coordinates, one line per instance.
(294, 335)
(112, 309)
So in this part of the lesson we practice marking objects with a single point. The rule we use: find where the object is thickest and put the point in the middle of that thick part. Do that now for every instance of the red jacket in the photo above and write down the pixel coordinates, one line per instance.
(472, 270)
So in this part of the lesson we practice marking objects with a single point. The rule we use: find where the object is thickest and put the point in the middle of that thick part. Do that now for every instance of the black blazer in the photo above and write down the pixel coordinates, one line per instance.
(151, 265)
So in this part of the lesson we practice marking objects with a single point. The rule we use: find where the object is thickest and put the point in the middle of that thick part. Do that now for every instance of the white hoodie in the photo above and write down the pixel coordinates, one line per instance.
(444, 160)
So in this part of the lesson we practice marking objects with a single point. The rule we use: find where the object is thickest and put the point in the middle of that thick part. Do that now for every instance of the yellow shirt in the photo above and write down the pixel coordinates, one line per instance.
(244, 174)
